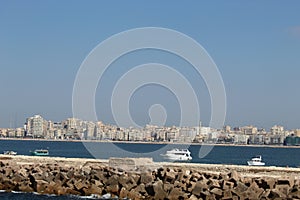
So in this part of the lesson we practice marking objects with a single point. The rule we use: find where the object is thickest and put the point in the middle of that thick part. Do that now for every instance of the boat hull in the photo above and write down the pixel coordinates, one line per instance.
(40, 152)
(11, 153)
(178, 158)
(251, 163)
(178, 155)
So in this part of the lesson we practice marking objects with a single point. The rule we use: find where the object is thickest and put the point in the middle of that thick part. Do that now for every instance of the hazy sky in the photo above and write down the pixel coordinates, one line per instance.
(255, 44)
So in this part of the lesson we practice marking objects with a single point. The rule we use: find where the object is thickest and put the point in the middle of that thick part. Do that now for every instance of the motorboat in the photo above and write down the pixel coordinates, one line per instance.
(12, 153)
(40, 152)
(256, 161)
(178, 155)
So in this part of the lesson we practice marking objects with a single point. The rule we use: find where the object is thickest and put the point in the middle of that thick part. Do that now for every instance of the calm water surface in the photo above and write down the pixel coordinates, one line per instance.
(218, 155)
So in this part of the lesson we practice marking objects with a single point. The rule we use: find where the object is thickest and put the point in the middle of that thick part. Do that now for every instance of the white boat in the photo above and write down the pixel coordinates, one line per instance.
(178, 155)
(13, 153)
(256, 161)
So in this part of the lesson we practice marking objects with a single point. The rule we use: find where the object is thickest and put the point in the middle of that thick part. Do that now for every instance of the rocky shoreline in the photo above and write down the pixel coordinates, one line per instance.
(143, 179)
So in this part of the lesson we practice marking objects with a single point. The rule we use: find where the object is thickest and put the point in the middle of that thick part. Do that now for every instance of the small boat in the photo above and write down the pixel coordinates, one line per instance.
(256, 161)
(40, 152)
(12, 153)
(178, 155)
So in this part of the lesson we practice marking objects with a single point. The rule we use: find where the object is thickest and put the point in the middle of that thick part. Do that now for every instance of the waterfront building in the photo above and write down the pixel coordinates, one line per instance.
(57, 126)
(19, 132)
(292, 141)
(240, 139)
(71, 123)
(187, 134)
(296, 132)
(203, 134)
(237, 129)
(213, 137)
(277, 139)
(161, 134)
(100, 130)
(50, 125)
(2, 132)
(139, 135)
(172, 134)
(277, 130)
(58, 134)
(89, 132)
(249, 130)
(49, 130)
(227, 129)
(256, 139)
(35, 126)
(11, 133)
(205, 130)
(224, 138)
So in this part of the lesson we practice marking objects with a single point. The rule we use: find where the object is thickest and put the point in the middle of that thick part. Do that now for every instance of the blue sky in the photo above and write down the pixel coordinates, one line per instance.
(255, 44)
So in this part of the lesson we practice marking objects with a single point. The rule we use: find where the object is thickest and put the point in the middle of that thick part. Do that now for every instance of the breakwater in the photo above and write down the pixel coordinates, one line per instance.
(143, 179)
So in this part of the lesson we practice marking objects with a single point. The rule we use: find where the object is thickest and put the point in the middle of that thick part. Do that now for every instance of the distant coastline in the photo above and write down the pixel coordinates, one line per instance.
(143, 142)
(73, 129)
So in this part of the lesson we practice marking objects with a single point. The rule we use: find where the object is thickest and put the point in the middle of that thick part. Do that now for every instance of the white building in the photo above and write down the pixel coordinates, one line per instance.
(71, 123)
(241, 139)
(277, 130)
(35, 126)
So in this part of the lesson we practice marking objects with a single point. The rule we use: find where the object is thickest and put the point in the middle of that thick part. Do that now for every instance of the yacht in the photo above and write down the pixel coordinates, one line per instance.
(40, 152)
(178, 155)
(256, 161)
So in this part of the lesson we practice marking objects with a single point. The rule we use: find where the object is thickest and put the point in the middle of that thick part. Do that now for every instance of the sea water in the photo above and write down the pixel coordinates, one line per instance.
(238, 155)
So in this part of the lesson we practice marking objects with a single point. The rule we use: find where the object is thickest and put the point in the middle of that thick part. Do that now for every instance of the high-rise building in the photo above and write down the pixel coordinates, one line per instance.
(35, 126)
(71, 123)
(90, 131)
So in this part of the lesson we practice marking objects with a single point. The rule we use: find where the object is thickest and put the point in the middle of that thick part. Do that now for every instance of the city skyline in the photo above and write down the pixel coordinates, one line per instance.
(255, 45)
(200, 124)
(37, 127)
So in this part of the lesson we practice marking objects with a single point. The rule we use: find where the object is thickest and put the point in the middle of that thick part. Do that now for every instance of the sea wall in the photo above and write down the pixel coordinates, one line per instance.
(155, 181)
